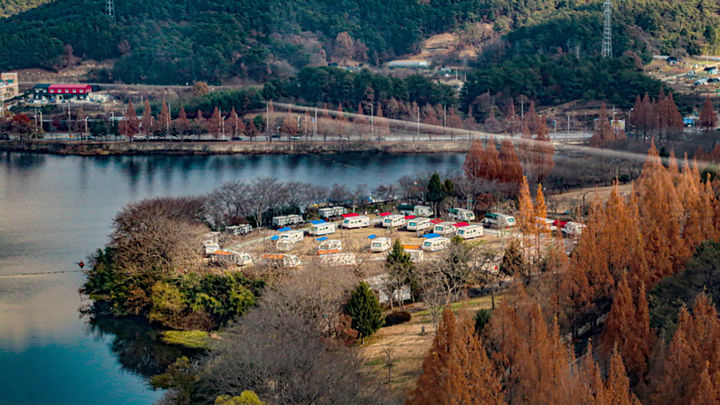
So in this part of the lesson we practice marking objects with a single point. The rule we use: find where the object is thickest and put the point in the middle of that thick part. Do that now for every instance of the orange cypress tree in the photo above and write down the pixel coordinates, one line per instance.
(214, 123)
(618, 383)
(492, 166)
(474, 161)
(163, 122)
(147, 118)
(660, 212)
(457, 369)
(678, 377)
(603, 133)
(627, 329)
(525, 216)
(512, 170)
(532, 120)
(130, 123)
(591, 257)
(708, 117)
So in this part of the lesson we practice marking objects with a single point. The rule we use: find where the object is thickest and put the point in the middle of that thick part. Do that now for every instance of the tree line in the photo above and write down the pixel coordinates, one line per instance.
(632, 244)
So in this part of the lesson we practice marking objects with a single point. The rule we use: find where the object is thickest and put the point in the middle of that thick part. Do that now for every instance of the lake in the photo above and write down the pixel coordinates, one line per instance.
(56, 210)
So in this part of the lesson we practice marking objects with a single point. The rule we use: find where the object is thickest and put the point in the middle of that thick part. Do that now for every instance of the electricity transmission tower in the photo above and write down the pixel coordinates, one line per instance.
(607, 30)
(110, 9)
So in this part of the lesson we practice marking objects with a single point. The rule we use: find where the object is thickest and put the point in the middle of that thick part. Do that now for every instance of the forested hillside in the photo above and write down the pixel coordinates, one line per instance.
(12, 7)
(178, 41)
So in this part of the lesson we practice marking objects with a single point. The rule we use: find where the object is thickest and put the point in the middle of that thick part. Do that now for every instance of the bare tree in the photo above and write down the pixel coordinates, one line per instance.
(262, 194)
(281, 349)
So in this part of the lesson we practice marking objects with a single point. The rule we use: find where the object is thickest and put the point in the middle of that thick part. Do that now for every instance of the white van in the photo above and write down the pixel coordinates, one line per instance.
(338, 259)
(445, 229)
(393, 221)
(418, 224)
(379, 245)
(435, 244)
(322, 229)
(499, 221)
(292, 236)
(461, 214)
(470, 232)
(355, 222)
(423, 211)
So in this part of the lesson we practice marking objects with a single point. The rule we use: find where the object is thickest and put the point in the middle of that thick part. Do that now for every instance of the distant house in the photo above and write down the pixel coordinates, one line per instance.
(60, 92)
(9, 85)
(409, 64)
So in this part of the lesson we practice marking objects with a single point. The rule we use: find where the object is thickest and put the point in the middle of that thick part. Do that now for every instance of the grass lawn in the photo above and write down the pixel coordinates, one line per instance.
(408, 344)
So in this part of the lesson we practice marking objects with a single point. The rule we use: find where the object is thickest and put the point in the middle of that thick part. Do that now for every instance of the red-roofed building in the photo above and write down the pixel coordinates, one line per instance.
(62, 91)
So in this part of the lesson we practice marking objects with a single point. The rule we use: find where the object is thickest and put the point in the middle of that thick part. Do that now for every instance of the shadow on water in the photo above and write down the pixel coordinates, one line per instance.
(136, 344)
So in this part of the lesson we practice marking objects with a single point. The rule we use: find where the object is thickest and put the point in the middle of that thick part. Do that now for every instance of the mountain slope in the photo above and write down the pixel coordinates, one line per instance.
(178, 41)
(12, 7)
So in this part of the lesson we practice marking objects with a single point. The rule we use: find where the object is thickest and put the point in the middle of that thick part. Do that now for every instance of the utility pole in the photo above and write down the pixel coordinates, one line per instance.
(110, 9)
(417, 132)
(267, 117)
(607, 47)
(372, 120)
(315, 124)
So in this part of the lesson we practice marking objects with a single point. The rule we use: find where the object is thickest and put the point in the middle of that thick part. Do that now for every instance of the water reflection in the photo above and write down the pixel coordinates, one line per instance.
(137, 345)
(55, 210)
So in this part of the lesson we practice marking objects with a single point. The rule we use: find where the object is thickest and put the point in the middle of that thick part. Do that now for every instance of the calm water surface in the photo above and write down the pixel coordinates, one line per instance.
(56, 210)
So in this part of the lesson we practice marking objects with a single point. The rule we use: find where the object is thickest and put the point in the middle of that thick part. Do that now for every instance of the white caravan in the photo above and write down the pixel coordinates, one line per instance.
(423, 211)
(445, 229)
(393, 221)
(461, 214)
(338, 259)
(418, 224)
(435, 244)
(292, 236)
(322, 229)
(330, 244)
(379, 245)
(470, 232)
(355, 222)
(499, 221)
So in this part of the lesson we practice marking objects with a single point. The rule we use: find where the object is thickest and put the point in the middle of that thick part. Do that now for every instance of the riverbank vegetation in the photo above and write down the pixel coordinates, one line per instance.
(152, 268)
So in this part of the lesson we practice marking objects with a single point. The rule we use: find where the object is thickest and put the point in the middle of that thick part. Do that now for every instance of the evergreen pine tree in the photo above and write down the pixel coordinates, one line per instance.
(364, 309)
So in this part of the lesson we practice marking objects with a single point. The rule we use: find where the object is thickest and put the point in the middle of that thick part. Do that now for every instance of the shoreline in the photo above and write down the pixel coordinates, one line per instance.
(106, 148)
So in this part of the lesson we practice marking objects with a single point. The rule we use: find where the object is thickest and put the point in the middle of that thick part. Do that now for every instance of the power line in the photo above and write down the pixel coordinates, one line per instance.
(607, 30)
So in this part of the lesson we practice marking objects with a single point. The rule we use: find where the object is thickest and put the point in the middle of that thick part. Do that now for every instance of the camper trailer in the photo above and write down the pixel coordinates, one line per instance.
(499, 221)
(292, 236)
(379, 245)
(285, 220)
(231, 257)
(435, 244)
(445, 229)
(470, 232)
(573, 229)
(393, 221)
(325, 228)
(418, 224)
(326, 212)
(417, 210)
(355, 222)
(285, 245)
(330, 244)
(237, 230)
(280, 260)
(460, 214)
(338, 259)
